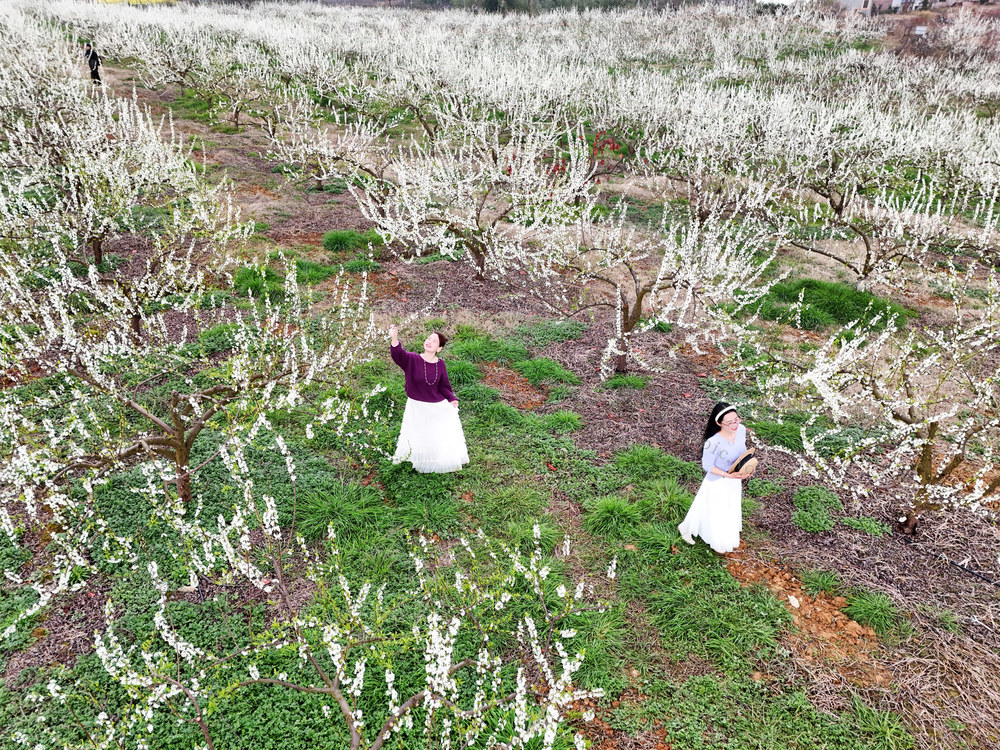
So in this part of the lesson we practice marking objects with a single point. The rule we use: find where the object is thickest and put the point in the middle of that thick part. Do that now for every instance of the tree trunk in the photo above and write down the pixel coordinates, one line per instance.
(97, 249)
(479, 259)
(182, 458)
(621, 363)
(184, 484)
(136, 325)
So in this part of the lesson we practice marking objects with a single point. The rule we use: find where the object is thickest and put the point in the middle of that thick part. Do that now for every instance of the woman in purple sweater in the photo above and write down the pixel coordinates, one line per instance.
(431, 437)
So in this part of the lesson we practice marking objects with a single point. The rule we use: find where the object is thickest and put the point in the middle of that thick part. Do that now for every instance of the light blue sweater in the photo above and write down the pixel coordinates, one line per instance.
(722, 454)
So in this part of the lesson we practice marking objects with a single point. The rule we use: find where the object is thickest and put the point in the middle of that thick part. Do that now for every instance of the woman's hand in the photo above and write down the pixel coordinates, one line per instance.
(394, 334)
(455, 404)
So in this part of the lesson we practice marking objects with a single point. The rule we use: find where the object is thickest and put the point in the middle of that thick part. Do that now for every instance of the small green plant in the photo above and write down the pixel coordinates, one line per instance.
(786, 434)
(757, 487)
(461, 372)
(816, 582)
(648, 462)
(827, 304)
(361, 265)
(812, 522)
(422, 500)
(624, 380)
(562, 421)
(873, 609)
(336, 186)
(949, 621)
(664, 500)
(465, 332)
(347, 240)
(347, 509)
(559, 392)
(218, 338)
(612, 517)
(310, 272)
(487, 349)
(885, 727)
(543, 369)
(814, 505)
(259, 283)
(510, 503)
(868, 525)
(522, 534)
(551, 332)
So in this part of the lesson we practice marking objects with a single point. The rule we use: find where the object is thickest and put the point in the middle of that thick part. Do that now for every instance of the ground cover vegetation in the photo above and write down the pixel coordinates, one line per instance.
(643, 210)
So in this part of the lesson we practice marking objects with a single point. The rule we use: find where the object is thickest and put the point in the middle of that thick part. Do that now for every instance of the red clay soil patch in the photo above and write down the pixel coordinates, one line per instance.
(19, 375)
(825, 634)
(254, 190)
(386, 285)
(514, 388)
(707, 361)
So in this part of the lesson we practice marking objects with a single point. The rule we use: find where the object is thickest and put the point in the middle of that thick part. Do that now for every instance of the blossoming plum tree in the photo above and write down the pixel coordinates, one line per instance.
(927, 396)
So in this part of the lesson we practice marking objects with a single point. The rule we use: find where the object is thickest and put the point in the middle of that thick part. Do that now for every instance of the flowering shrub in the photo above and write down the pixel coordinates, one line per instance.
(476, 651)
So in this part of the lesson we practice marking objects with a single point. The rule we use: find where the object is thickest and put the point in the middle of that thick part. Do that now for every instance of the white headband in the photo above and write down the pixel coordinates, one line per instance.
(718, 419)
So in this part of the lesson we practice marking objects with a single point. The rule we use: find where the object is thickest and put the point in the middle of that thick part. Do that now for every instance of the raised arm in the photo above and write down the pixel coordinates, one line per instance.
(396, 350)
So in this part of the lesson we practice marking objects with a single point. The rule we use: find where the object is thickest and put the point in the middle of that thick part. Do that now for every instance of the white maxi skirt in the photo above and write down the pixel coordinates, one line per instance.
(716, 514)
(431, 437)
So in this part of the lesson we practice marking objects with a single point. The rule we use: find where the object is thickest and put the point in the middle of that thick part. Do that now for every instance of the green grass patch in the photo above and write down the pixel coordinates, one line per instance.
(310, 272)
(612, 517)
(259, 283)
(336, 186)
(348, 509)
(816, 582)
(488, 349)
(814, 505)
(873, 609)
(421, 500)
(624, 380)
(218, 338)
(508, 504)
(545, 370)
(341, 241)
(362, 265)
(868, 525)
(758, 487)
(645, 462)
(827, 304)
(461, 372)
(551, 332)
(562, 421)
(522, 534)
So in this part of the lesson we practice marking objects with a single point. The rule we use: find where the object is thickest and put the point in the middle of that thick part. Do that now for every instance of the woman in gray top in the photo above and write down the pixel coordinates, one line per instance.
(716, 514)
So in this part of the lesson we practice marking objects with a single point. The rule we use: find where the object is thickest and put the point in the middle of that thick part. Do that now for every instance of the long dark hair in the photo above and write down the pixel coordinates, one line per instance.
(713, 427)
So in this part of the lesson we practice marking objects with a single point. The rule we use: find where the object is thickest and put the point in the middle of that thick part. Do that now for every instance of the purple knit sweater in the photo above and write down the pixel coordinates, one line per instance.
(424, 381)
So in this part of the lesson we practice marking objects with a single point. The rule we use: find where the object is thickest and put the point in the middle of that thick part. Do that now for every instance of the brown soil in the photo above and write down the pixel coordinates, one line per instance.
(824, 634)
(514, 388)
(65, 633)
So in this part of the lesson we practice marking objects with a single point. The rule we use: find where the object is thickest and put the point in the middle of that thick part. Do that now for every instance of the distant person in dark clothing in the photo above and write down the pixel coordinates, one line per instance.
(94, 61)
